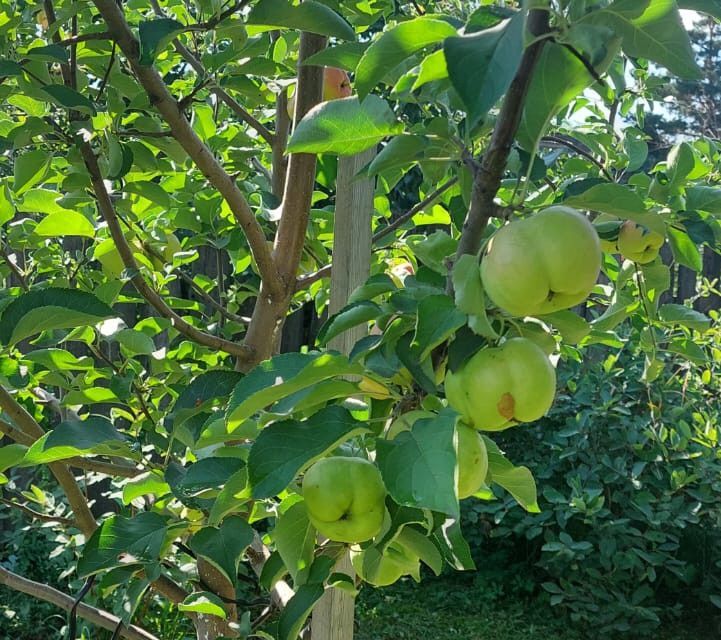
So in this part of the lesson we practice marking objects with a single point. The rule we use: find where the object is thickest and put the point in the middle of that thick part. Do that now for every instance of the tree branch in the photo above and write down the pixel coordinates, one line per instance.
(269, 312)
(487, 178)
(27, 424)
(198, 151)
(44, 517)
(97, 616)
(84, 37)
(14, 268)
(107, 210)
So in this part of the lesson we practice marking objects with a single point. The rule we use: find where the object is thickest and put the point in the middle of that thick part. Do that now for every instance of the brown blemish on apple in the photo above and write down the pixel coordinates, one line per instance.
(506, 406)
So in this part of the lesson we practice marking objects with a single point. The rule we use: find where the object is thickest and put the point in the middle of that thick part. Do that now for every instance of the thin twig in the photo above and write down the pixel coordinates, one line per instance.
(574, 146)
(44, 517)
(84, 37)
(46, 593)
(14, 268)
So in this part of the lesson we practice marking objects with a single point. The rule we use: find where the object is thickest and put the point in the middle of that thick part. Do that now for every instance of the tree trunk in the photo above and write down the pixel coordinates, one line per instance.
(333, 615)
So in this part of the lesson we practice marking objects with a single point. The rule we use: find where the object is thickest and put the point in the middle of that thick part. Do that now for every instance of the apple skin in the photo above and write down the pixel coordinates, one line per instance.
(345, 498)
(637, 244)
(607, 246)
(501, 386)
(472, 459)
(542, 264)
(383, 569)
(336, 84)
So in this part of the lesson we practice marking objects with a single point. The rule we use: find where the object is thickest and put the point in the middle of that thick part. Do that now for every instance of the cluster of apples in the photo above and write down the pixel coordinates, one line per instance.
(535, 266)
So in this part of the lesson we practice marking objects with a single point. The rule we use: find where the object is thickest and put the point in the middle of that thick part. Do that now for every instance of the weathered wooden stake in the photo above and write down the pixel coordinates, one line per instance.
(333, 615)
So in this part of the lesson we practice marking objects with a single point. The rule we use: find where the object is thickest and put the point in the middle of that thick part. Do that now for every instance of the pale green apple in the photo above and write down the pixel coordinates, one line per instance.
(345, 498)
(383, 569)
(472, 459)
(639, 244)
(501, 386)
(542, 264)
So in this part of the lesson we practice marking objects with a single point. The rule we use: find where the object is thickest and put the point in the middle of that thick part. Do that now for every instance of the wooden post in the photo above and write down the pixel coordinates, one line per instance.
(333, 615)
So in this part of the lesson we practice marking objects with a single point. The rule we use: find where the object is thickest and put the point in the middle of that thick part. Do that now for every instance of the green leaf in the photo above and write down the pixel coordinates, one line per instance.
(277, 378)
(432, 68)
(121, 541)
(203, 603)
(60, 360)
(680, 163)
(376, 285)
(702, 198)
(437, 320)
(42, 201)
(651, 29)
(135, 342)
(422, 547)
(96, 435)
(684, 249)
(518, 481)
(207, 473)
(685, 316)
(469, 295)
(52, 308)
(572, 327)
(454, 546)
(11, 454)
(307, 16)
(418, 466)
(283, 449)
(202, 392)
(69, 223)
(399, 152)
(344, 56)
(155, 35)
(394, 46)
(294, 538)
(30, 168)
(482, 65)
(351, 316)
(49, 53)
(10, 68)
(146, 484)
(69, 98)
(620, 201)
(345, 126)
(297, 610)
(222, 546)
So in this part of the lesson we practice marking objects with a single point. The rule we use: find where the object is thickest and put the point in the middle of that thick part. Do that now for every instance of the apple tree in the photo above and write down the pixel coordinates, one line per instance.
(169, 180)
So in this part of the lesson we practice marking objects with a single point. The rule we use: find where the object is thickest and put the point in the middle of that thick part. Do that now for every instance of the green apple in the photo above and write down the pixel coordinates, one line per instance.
(501, 386)
(345, 498)
(472, 459)
(383, 569)
(542, 264)
(638, 243)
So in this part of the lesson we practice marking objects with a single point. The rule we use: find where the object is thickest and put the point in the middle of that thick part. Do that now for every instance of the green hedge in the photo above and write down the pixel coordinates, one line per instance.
(630, 480)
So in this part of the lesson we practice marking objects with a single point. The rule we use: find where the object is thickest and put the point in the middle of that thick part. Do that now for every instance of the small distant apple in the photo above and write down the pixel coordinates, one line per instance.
(336, 84)
(639, 244)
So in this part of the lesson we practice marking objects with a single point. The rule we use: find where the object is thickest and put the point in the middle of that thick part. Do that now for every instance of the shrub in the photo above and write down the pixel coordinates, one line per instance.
(630, 475)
